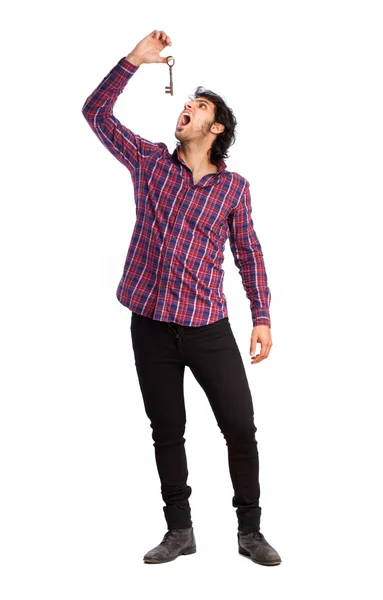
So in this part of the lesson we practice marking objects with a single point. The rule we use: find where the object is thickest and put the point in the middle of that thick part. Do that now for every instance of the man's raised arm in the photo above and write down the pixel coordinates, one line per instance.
(126, 146)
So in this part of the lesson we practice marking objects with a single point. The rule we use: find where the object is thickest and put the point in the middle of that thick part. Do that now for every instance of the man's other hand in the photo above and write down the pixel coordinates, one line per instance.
(261, 334)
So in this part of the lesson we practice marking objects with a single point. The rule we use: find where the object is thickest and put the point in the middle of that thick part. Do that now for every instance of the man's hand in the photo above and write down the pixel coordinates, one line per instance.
(148, 50)
(262, 334)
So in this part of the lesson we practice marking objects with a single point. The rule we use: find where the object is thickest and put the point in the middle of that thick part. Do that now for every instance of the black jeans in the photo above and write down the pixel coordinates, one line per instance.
(162, 350)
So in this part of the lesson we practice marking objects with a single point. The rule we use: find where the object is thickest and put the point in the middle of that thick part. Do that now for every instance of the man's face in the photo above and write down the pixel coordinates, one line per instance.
(195, 120)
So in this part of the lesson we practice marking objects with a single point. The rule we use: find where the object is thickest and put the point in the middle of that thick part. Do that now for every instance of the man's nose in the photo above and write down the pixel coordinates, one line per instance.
(187, 105)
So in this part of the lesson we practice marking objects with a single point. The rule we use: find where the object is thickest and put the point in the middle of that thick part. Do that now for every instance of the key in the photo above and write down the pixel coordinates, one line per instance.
(169, 88)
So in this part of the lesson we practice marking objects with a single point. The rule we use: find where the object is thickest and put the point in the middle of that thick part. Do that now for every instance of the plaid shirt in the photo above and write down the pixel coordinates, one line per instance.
(173, 270)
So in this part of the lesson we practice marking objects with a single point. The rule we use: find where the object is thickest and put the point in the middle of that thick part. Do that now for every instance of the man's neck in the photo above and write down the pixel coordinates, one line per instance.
(197, 159)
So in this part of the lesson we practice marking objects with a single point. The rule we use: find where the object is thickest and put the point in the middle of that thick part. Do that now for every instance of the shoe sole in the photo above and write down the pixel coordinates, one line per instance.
(153, 561)
(266, 564)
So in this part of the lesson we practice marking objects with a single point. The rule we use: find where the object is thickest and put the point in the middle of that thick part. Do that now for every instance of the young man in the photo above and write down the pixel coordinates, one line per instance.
(187, 205)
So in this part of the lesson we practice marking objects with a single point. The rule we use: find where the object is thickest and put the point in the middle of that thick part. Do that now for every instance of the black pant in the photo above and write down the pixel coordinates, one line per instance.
(162, 350)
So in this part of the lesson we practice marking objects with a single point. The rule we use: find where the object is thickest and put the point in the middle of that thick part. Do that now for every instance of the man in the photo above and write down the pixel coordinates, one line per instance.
(187, 204)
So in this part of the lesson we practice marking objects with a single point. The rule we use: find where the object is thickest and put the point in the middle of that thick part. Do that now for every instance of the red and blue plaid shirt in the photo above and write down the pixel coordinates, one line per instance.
(173, 269)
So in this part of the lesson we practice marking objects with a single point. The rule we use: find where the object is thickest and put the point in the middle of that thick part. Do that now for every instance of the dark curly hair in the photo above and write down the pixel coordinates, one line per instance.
(224, 115)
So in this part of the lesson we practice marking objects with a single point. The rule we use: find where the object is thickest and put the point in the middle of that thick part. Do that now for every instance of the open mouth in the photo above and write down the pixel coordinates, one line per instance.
(184, 120)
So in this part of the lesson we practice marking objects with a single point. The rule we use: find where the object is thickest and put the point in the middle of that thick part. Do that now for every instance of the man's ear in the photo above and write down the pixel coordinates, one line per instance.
(217, 128)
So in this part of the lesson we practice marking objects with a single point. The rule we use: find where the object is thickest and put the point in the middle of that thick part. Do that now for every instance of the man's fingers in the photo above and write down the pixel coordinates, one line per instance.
(267, 349)
(264, 353)
(161, 59)
(165, 38)
(165, 41)
(162, 36)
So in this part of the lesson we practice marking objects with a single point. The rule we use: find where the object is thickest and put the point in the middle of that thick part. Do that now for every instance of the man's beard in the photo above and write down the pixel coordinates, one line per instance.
(200, 133)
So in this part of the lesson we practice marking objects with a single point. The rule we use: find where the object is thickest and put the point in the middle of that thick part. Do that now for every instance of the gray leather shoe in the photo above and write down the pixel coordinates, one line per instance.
(175, 542)
(255, 546)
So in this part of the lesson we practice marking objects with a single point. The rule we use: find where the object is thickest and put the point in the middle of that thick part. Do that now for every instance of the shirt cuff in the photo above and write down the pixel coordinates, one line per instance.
(261, 319)
(127, 65)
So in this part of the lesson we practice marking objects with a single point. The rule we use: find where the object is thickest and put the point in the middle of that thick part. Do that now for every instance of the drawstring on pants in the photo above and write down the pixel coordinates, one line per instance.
(173, 330)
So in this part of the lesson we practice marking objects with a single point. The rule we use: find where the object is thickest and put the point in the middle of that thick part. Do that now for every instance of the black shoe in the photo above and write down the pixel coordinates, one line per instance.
(175, 542)
(255, 546)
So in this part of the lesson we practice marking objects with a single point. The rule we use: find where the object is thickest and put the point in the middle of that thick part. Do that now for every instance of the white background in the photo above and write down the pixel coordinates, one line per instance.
(80, 500)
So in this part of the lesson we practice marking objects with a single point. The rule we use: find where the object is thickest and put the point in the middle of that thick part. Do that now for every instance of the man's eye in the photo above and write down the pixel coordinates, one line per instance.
(202, 105)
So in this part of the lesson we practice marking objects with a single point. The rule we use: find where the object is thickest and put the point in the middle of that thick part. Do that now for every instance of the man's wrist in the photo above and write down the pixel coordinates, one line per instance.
(134, 59)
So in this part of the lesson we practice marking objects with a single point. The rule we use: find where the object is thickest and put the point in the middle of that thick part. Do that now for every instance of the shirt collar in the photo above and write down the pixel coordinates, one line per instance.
(221, 165)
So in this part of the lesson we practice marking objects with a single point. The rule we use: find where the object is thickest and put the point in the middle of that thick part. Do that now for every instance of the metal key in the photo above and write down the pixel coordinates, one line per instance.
(169, 88)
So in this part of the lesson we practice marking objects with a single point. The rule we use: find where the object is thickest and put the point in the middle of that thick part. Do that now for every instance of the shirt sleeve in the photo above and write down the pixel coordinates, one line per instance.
(126, 146)
(248, 258)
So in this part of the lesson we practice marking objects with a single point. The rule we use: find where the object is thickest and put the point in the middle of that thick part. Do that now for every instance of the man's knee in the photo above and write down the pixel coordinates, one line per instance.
(166, 434)
(237, 433)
